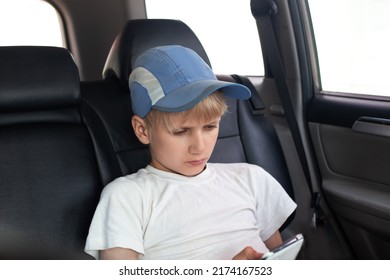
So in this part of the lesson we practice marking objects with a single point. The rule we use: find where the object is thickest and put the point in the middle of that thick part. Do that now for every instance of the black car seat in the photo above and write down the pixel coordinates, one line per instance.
(246, 135)
(55, 156)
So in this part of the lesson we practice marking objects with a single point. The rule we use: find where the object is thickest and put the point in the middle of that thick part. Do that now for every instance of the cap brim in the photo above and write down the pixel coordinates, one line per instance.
(188, 96)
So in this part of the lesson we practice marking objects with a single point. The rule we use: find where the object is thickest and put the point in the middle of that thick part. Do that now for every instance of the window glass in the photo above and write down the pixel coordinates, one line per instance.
(29, 22)
(226, 29)
(352, 44)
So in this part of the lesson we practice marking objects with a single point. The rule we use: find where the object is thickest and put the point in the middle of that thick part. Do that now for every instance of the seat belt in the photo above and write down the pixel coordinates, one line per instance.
(263, 11)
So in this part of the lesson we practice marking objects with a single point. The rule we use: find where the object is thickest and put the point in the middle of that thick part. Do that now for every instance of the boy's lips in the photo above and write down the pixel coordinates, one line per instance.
(197, 162)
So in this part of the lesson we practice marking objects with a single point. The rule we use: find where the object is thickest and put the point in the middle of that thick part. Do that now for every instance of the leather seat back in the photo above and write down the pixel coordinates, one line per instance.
(50, 175)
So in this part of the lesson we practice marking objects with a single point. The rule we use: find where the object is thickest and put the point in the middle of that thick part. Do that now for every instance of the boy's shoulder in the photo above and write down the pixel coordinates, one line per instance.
(124, 183)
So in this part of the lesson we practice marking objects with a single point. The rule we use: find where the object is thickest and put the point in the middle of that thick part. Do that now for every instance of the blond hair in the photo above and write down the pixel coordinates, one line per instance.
(210, 107)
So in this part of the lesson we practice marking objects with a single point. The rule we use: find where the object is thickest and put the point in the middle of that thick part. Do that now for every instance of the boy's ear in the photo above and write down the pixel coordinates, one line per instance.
(140, 129)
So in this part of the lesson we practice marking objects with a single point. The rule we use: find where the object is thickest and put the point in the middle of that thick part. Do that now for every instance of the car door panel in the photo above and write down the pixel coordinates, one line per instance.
(353, 155)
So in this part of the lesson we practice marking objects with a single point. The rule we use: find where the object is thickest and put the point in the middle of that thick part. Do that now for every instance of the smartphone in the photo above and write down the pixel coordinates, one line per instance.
(288, 250)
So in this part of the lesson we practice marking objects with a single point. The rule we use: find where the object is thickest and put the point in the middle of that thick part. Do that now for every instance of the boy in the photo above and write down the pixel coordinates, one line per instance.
(180, 206)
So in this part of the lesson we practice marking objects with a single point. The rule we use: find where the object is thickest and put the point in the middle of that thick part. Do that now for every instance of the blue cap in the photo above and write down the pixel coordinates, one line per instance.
(173, 79)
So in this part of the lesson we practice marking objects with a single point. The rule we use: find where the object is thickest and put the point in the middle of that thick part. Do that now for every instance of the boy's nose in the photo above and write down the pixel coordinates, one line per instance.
(197, 144)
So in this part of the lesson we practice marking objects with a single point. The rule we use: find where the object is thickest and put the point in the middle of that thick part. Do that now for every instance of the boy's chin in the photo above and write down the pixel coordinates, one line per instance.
(193, 172)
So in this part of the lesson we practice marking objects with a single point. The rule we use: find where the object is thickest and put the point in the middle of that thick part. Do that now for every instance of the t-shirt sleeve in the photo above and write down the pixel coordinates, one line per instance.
(117, 221)
(274, 205)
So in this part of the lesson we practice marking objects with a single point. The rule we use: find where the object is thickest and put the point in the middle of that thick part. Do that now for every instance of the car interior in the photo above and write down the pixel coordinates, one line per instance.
(65, 132)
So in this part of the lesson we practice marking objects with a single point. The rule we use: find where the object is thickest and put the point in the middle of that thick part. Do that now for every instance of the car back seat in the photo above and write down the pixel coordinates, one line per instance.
(55, 156)
(246, 135)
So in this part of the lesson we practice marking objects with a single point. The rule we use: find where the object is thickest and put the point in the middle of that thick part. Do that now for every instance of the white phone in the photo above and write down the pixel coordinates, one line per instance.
(288, 250)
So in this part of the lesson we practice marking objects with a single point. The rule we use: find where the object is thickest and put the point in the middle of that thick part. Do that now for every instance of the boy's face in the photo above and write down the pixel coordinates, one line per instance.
(186, 149)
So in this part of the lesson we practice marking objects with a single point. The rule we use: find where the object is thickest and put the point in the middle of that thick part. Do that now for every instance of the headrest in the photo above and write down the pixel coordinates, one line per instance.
(37, 78)
(142, 34)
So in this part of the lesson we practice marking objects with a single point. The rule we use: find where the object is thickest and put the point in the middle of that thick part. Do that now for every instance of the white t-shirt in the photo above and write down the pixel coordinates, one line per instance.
(213, 215)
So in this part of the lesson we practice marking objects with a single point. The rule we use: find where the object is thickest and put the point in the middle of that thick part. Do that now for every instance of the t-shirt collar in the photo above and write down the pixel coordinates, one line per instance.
(204, 175)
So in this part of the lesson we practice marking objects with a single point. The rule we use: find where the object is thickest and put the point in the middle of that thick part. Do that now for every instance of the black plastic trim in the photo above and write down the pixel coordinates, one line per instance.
(344, 111)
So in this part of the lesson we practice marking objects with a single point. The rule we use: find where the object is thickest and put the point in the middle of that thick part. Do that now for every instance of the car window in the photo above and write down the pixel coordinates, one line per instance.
(29, 22)
(352, 45)
(229, 38)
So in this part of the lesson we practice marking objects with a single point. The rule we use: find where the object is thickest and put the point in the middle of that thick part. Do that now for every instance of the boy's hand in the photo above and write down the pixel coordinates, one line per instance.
(248, 254)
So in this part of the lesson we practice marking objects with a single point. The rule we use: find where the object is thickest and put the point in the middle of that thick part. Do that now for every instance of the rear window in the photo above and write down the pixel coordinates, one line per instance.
(29, 22)
(226, 29)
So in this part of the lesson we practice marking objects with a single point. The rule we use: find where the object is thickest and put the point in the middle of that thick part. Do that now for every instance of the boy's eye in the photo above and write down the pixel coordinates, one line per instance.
(179, 132)
(211, 126)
